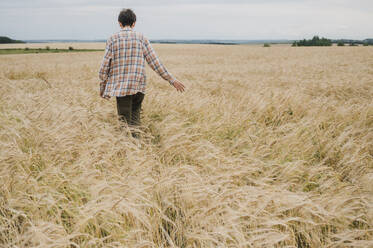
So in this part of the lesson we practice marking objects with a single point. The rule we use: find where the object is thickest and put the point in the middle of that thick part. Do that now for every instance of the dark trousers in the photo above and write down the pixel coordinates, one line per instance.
(129, 108)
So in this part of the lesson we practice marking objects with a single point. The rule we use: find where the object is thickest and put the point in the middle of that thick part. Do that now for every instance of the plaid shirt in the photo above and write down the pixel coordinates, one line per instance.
(122, 71)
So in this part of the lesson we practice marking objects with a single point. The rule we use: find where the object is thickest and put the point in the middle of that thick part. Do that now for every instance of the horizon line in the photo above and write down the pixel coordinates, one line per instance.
(194, 39)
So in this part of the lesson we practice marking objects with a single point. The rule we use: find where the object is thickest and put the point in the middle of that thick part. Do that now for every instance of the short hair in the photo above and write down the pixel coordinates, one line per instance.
(127, 17)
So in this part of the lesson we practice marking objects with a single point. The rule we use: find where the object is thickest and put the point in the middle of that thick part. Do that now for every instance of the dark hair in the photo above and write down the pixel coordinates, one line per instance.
(127, 17)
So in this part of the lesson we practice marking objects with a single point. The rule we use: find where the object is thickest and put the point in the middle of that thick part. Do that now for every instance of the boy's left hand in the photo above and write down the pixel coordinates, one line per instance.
(179, 86)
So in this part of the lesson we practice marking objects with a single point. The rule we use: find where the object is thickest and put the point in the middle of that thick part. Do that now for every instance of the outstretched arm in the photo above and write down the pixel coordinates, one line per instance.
(105, 67)
(154, 62)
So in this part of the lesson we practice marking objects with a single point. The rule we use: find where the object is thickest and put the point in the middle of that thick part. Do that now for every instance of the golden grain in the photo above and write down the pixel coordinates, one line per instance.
(268, 147)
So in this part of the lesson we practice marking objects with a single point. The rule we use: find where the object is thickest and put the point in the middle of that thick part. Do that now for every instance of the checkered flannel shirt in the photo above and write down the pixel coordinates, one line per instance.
(122, 71)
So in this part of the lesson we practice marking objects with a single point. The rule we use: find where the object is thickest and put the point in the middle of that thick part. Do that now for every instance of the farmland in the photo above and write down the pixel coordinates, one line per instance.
(268, 147)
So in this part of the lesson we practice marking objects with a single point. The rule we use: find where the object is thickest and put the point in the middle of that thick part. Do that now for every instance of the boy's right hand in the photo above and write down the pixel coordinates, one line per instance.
(102, 90)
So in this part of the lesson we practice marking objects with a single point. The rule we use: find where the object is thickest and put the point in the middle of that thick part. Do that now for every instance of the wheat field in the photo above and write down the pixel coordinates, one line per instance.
(268, 147)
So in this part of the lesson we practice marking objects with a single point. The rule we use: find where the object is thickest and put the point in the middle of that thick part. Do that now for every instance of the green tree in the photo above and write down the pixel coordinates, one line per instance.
(7, 40)
(315, 41)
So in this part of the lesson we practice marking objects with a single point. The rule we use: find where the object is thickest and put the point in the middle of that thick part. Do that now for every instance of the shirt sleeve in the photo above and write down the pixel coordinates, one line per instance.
(105, 65)
(154, 62)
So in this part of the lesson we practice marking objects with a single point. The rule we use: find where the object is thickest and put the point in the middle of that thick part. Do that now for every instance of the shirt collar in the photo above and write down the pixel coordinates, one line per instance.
(126, 29)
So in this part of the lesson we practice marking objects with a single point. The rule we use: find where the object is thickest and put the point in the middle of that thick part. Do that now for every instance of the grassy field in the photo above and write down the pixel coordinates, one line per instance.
(268, 147)
(42, 50)
(64, 45)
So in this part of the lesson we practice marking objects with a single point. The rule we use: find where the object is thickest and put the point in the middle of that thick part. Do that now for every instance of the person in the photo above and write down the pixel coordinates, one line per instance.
(122, 72)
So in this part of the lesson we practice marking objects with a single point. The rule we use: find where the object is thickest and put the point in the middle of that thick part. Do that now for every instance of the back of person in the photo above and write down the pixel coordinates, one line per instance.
(128, 51)
(122, 72)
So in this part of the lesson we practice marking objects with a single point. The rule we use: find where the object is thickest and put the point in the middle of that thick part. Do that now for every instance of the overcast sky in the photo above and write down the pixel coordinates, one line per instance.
(188, 19)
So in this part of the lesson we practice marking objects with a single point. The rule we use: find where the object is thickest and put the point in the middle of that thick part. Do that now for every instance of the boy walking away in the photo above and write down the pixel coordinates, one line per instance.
(122, 72)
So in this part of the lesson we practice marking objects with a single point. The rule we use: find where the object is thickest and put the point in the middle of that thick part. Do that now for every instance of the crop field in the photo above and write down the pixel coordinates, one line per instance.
(268, 147)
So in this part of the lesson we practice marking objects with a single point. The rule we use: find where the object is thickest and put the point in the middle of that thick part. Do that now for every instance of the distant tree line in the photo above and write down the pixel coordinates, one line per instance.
(7, 40)
(315, 41)
(342, 42)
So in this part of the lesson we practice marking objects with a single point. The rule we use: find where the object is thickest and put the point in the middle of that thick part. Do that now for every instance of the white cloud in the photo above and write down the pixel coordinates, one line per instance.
(281, 19)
